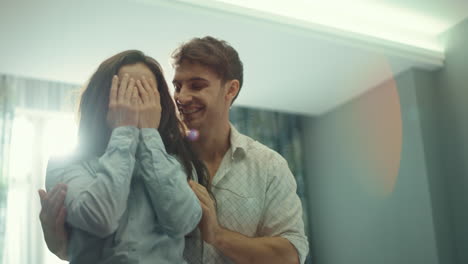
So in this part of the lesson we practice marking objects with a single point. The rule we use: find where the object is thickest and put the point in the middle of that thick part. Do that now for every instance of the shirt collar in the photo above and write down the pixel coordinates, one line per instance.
(239, 143)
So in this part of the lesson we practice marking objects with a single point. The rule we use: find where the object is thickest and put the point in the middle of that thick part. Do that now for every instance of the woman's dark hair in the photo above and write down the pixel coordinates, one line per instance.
(94, 132)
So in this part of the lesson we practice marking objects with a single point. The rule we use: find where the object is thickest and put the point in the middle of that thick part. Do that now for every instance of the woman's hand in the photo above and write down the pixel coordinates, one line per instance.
(149, 104)
(123, 103)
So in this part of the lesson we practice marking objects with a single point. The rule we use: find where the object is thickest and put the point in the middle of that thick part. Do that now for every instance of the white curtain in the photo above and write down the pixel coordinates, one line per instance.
(43, 115)
(6, 121)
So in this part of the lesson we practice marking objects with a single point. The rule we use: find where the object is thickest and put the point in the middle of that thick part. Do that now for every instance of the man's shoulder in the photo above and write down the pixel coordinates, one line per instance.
(258, 151)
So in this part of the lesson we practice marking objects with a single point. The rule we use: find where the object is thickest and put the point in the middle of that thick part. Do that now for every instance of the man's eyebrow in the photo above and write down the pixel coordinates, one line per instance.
(191, 80)
(198, 79)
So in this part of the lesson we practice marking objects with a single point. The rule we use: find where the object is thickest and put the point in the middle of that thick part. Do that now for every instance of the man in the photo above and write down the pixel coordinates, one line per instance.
(257, 216)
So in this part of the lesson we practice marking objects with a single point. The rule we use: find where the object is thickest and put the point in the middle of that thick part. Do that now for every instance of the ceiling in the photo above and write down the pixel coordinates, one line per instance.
(290, 64)
(411, 22)
(452, 11)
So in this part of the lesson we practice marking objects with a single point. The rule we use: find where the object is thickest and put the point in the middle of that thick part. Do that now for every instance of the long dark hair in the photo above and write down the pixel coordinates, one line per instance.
(94, 133)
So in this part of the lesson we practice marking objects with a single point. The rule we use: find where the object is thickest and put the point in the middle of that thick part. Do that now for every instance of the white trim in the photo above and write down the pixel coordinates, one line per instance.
(428, 53)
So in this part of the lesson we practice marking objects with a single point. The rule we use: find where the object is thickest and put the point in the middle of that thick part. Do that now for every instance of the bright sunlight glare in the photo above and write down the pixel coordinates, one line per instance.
(36, 136)
(60, 136)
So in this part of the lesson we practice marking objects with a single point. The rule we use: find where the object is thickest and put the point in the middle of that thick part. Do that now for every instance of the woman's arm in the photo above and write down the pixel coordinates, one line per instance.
(175, 204)
(97, 194)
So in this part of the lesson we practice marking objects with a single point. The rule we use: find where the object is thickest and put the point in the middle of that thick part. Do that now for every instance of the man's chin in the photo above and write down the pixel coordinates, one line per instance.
(193, 124)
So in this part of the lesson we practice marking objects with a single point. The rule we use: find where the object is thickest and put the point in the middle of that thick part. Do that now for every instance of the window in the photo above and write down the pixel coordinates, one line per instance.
(35, 137)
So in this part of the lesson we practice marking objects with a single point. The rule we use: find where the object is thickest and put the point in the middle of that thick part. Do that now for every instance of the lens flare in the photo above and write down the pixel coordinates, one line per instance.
(373, 136)
(193, 134)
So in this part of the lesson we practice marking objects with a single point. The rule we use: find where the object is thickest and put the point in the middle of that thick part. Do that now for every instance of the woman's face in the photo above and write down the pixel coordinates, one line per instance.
(136, 71)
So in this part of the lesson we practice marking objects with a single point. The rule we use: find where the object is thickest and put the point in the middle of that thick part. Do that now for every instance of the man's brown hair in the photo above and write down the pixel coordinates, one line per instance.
(216, 54)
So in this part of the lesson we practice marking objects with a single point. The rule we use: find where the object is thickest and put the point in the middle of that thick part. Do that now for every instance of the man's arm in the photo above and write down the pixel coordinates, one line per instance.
(52, 217)
(271, 247)
(243, 249)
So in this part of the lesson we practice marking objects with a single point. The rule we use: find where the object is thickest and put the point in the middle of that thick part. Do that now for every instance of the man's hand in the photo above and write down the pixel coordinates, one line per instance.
(209, 225)
(236, 246)
(52, 218)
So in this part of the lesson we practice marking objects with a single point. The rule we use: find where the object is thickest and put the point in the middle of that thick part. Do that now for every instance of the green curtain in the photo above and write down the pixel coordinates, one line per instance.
(6, 122)
(282, 133)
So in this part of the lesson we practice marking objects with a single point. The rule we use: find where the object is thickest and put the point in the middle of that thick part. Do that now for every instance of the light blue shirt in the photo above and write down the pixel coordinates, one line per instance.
(132, 205)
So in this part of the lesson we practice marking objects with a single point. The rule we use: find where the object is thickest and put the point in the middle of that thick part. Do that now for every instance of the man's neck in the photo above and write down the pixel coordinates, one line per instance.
(213, 143)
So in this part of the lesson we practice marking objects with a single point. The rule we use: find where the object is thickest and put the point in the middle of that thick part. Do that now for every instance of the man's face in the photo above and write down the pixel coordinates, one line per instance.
(200, 95)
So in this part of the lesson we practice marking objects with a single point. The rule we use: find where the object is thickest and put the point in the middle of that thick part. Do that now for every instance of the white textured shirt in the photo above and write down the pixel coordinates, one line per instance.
(256, 196)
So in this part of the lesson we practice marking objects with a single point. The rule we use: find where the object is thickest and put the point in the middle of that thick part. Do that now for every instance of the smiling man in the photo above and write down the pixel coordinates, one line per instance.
(256, 216)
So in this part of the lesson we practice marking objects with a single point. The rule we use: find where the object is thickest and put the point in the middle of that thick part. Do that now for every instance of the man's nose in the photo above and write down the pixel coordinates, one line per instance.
(183, 97)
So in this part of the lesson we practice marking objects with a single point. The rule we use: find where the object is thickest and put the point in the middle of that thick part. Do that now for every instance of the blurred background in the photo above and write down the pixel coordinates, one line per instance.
(366, 99)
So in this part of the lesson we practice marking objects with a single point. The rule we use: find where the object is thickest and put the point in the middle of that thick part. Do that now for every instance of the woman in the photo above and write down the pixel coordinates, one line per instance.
(128, 200)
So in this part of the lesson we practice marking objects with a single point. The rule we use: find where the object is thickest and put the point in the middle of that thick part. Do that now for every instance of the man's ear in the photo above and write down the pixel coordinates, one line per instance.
(232, 90)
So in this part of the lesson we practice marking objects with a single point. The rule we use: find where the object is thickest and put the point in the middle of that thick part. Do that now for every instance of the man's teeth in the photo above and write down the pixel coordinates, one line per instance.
(189, 111)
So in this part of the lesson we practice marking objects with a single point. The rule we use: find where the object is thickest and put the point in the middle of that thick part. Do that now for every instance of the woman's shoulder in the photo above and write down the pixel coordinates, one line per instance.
(60, 167)
(64, 162)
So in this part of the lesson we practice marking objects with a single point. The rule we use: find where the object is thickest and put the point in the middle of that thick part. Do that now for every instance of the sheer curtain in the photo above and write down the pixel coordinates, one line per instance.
(282, 133)
(42, 125)
(6, 121)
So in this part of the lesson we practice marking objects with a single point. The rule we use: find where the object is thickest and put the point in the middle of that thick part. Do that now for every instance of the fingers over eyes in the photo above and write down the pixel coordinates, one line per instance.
(143, 92)
(130, 89)
(135, 98)
(122, 89)
(113, 91)
(149, 89)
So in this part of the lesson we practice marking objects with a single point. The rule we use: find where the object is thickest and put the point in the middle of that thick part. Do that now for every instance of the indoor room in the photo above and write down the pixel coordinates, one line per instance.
(301, 131)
